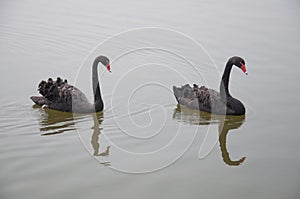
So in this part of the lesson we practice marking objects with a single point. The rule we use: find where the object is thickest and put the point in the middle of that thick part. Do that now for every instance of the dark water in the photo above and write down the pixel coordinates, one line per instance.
(143, 145)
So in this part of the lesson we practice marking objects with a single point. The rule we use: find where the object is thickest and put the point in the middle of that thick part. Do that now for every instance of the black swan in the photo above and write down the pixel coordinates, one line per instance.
(209, 100)
(60, 95)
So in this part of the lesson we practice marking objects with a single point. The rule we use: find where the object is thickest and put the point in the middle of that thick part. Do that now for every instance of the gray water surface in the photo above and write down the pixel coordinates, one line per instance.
(142, 145)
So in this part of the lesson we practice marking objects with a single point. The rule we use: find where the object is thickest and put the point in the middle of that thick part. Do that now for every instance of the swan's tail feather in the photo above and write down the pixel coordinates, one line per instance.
(185, 91)
(177, 92)
(39, 100)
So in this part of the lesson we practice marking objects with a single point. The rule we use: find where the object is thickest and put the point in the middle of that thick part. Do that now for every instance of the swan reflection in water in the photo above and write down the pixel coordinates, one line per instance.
(225, 124)
(54, 122)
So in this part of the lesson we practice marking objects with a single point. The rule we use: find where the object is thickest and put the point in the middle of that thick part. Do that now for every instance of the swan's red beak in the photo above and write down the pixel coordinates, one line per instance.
(244, 69)
(108, 67)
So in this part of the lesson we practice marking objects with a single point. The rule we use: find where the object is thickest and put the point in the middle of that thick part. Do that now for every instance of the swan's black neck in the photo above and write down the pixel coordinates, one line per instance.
(224, 90)
(96, 87)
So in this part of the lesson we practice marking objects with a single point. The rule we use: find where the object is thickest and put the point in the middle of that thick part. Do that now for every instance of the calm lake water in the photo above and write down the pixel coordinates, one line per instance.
(142, 145)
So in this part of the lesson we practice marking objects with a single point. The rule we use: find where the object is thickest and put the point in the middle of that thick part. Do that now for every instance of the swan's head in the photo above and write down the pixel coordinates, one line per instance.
(105, 61)
(239, 62)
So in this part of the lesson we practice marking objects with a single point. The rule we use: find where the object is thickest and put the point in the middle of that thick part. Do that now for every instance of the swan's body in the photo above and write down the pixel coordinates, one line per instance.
(209, 100)
(60, 95)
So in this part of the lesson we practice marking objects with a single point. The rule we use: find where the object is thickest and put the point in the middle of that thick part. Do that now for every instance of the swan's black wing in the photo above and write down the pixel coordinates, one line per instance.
(59, 95)
(200, 98)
